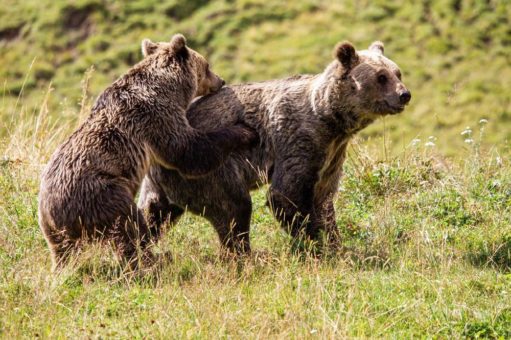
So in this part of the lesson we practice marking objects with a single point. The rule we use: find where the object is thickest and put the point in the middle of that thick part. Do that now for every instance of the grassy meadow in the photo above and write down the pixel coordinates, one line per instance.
(424, 207)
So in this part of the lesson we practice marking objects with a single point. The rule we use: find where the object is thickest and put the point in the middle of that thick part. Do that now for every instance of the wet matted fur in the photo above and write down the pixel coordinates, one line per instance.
(88, 187)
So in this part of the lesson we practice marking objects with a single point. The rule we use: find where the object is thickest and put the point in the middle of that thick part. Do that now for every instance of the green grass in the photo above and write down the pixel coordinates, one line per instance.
(425, 220)
(427, 253)
(454, 54)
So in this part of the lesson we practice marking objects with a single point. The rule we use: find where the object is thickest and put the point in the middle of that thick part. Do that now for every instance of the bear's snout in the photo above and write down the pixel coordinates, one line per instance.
(217, 85)
(405, 97)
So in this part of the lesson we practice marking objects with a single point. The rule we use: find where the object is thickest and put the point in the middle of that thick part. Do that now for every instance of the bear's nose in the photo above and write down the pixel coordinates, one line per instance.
(405, 97)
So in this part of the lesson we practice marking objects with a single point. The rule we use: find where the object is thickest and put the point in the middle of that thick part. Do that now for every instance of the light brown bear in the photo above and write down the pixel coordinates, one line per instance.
(305, 124)
(88, 187)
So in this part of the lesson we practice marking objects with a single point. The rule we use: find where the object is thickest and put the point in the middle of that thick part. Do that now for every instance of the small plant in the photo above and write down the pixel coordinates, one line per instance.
(495, 253)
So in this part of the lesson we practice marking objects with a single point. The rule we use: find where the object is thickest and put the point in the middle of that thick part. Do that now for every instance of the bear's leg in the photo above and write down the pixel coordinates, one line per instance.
(195, 153)
(131, 234)
(233, 225)
(62, 252)
(157, 208)
(229, 213)
(291, 196)
(326, 220)
(62, 243)
(159, 213)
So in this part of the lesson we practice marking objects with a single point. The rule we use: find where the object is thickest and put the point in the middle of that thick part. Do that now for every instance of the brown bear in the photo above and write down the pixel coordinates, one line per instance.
(88, 187)
(305, 124)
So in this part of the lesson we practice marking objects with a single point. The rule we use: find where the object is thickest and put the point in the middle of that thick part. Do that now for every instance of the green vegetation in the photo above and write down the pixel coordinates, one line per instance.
(455, 55)
(425, 223)
(427, 252)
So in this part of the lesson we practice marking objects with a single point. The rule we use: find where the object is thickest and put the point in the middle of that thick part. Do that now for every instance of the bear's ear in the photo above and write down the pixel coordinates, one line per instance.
(377, 46)
(346, 54)
(178, 42)
(148, 47)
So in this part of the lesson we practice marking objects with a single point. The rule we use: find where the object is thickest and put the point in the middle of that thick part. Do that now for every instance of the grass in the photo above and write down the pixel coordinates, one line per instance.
(424, 206)
(455, 54)
(428, 253)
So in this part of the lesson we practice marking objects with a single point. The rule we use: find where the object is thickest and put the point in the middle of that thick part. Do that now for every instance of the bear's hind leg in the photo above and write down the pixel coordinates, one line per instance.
(62, 252)
(131, 237)
(62, 243)
(233, 226)
(157, 208)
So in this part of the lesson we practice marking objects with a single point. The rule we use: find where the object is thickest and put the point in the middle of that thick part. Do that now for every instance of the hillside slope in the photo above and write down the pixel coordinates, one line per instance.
(455, 55)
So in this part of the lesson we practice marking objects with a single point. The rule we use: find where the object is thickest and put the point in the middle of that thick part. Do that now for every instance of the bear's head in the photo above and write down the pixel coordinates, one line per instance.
(206, 80)
(366, 82)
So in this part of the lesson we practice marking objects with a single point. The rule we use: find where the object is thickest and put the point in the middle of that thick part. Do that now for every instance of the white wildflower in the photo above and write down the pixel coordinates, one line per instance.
(416, 141)
(467, 131)
(498, 159)
(429, 144)
(425, 236)
(483, 121)
(469, 141)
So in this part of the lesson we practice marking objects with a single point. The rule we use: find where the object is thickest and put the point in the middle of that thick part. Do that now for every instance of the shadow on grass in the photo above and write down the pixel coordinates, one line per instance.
(499, 328)
(496, 254)
(368, 256)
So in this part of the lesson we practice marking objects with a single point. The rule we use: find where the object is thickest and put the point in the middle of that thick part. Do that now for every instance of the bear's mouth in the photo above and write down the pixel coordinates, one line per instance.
(394, 109)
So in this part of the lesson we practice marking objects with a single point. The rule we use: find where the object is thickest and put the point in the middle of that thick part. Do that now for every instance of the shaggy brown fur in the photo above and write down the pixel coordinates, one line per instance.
(88, 187)
(304, 124)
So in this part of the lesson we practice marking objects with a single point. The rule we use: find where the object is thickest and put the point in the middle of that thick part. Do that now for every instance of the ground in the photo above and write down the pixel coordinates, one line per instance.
(428, 246)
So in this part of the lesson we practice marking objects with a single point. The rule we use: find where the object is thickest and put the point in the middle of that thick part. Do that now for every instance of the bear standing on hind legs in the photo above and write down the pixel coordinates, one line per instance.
(304, 123)
(88, 187)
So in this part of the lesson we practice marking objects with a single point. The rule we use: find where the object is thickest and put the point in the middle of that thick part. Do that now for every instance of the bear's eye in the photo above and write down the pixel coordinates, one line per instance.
(382, 79)
(398, 75)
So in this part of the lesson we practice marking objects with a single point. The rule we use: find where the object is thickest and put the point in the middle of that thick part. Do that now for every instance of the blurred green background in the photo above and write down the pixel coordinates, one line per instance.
(455, 55)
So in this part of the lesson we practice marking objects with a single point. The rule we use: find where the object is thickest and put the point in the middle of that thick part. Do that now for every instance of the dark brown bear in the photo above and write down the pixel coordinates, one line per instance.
(305, 124)
(88, 187)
